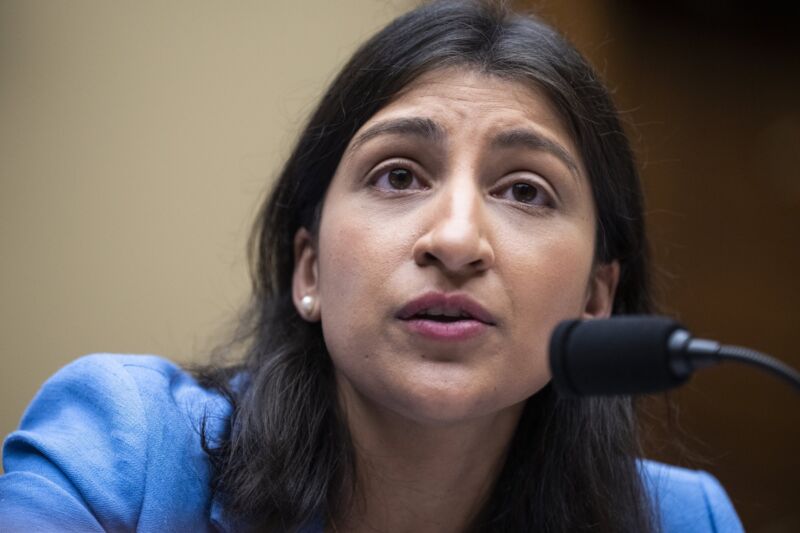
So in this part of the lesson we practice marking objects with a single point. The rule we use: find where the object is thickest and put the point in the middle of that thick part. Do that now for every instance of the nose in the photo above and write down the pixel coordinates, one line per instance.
(457, 235)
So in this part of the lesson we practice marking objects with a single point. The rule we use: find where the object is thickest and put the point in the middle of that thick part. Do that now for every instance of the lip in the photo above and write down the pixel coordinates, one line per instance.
(478, 321)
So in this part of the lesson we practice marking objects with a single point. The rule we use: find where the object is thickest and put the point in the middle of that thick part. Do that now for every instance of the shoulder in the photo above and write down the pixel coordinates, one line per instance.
(111, 442)
(132, 394)
(688, 500)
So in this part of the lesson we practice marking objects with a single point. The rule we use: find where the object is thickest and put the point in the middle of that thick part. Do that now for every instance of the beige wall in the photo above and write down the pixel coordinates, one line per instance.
(136, 139)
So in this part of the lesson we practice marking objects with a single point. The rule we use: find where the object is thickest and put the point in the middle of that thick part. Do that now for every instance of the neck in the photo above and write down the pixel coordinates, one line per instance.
(422, 477)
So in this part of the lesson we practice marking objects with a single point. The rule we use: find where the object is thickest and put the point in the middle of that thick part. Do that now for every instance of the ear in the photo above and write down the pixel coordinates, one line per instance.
(305, 277)
(601, 290)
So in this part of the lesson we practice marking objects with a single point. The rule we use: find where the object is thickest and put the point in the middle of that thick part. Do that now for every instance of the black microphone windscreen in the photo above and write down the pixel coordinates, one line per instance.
(621, 355)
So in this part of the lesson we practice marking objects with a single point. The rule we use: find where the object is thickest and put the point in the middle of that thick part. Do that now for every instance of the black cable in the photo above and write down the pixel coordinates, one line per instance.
(752, 357)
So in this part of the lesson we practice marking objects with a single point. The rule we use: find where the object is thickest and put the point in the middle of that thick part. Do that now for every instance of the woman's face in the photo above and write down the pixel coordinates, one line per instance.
(457, 232)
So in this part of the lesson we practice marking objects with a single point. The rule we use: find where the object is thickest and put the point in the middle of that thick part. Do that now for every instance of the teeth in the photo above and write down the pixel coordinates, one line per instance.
(441, 311)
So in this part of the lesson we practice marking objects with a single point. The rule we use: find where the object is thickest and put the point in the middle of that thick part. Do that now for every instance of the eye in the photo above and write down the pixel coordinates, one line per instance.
(525, 192)
(397, 179)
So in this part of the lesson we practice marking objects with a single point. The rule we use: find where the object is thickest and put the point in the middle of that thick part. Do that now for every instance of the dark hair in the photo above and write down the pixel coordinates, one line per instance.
(287, 457)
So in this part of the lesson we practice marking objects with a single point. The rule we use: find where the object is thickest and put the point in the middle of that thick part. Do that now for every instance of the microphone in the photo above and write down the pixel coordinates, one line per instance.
(639, 354)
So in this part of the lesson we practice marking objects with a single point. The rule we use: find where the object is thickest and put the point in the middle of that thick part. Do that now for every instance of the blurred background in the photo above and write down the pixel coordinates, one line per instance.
(137, 139)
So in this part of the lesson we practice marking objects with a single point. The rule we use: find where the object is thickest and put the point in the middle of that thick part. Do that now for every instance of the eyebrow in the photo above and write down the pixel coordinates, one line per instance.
(424, 128)
(526, 138)
(428, 129)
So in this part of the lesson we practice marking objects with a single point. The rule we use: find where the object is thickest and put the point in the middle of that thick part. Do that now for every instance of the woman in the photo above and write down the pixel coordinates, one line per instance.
(462, 187)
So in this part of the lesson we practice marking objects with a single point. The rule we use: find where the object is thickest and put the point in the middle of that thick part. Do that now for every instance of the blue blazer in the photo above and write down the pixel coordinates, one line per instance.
(111, 443)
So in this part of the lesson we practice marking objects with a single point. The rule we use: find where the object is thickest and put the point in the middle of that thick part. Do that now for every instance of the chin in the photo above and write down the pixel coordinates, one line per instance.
(435, 393)
(449, 403)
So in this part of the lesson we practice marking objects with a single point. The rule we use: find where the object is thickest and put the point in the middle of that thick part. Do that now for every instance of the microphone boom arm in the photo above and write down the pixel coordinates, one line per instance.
(762, 361)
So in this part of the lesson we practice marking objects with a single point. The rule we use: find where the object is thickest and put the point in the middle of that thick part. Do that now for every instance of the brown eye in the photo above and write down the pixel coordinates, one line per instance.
(524, 192)
(527, 193)
(400, 178)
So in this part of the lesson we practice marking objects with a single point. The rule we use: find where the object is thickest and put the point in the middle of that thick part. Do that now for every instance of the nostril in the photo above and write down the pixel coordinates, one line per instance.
(428, 258)
(461, 254)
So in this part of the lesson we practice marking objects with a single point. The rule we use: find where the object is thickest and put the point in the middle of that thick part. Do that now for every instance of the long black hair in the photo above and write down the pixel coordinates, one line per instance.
(287, 457)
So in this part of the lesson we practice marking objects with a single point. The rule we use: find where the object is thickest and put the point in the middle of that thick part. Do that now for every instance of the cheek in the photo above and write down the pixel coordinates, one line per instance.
(356, 258)
(553, 261)
(342, 273)
(552, 278)
(547, 280)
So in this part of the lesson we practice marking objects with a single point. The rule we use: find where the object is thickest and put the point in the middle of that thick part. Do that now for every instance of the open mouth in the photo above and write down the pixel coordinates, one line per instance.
(441, 308)
(446, 319)
(441, 315)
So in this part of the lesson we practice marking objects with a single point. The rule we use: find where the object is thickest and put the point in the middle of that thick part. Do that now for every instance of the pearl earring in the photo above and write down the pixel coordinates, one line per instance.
(307, 303)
